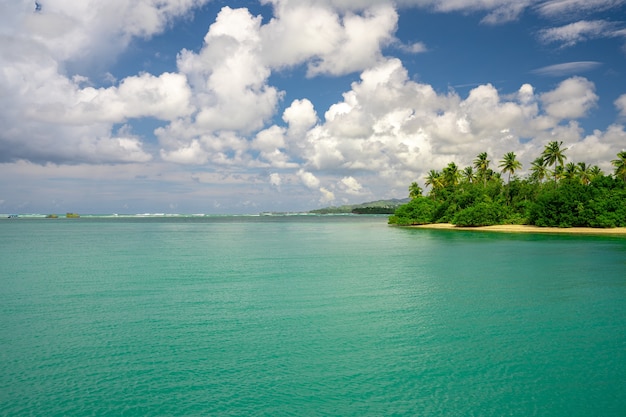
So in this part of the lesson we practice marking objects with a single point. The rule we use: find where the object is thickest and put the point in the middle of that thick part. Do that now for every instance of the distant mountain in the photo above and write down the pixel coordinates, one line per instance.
(371, 207)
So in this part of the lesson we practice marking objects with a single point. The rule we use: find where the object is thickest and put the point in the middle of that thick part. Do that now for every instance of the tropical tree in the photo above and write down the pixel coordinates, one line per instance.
(451, 174)
(553, 155)
(415, 190)
(434, 180)
(595, 172)
(481, 163)
(620, 165)
(538, 170)
(510, 164)
(570, 171)
(468, 174)
(559, 173)
(584, 173)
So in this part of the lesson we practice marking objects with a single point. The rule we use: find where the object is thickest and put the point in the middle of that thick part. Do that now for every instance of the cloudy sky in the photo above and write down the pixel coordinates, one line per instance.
(207, 106)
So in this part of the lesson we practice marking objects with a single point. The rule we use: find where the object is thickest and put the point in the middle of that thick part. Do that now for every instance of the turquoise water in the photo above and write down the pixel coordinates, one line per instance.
(306, 316)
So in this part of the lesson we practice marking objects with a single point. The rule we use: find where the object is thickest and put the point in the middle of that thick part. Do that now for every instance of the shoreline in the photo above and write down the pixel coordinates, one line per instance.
(519, 228)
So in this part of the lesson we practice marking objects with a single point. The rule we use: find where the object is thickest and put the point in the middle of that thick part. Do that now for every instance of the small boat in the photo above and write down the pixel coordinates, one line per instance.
(12, 216)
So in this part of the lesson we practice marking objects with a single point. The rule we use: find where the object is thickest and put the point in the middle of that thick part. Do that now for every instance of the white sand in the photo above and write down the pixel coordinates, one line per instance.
(515, 228)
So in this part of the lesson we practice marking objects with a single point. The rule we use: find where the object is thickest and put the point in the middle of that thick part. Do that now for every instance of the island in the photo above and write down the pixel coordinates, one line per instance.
(553, 195)
(371, 207)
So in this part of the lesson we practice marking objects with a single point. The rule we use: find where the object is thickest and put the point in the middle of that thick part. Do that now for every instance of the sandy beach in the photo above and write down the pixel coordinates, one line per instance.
(516, 228)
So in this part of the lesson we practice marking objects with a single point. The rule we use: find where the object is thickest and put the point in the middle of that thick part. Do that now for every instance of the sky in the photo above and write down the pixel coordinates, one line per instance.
(241, 107)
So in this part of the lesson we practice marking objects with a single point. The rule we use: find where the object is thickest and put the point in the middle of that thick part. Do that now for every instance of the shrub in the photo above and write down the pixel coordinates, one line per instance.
(481, 214)
(418, 211)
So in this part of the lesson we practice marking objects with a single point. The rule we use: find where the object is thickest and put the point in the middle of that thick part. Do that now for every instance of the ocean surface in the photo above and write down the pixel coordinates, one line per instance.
(306, 316)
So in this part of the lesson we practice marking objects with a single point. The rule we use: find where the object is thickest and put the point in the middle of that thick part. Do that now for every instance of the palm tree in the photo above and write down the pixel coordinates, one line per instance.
(481, 163)
(434, 180)
(553, 154)
(538, 169)
(468, 174)
(571, 171)
(584, 173)
(595, 172)
(559, 173)
(415, 190)
(509, 164)
(620, 165)
(451, 174)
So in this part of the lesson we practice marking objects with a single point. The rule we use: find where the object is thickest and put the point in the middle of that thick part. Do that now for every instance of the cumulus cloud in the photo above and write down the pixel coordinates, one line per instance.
(572, 99)
(192, 153)
(300, 116)
(166, 97)
(330, 43)
(308, 179)
(219, 110)
(71, 30)
(50, 115)
(351, 185)
(390, 129)
(229, 75)
(600, 146)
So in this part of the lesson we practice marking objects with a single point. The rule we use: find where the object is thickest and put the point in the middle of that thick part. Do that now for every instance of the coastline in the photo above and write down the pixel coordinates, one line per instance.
(518, 228)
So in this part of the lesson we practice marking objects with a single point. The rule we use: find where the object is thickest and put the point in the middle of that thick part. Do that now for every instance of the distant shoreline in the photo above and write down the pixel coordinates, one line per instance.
(518, 228)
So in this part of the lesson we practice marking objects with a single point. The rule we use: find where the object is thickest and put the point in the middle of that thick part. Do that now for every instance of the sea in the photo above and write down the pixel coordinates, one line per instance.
(306, 316)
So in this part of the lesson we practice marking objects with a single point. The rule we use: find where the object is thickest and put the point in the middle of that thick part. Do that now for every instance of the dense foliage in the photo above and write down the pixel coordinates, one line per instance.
(553, 194)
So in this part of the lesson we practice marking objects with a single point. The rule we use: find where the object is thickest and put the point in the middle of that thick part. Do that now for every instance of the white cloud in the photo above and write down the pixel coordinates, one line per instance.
(308, 179)
(193, 153)
(269, 139)
(52, 115)
(557, 8)
(359, 45)
(328, 42)
(599, 147)
(94, 29)
(165, 97)
(391, 130)
(577, 32)
(228, 77)
(300, 116)
(271, 144)
(567, 68)
(498, 11)
(327, 196)
(351, 185)
(620, 103)
(387, 130)
(275, 180)
(412, 48)
(572, 99)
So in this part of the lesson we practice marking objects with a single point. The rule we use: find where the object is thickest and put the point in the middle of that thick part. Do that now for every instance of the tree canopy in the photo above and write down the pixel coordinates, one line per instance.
(553, 193)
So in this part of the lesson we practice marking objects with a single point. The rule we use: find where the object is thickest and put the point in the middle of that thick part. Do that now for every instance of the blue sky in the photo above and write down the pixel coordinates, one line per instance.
(199, 106)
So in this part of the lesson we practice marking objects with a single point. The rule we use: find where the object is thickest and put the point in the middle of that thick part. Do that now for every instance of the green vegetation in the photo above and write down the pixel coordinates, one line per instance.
(553, 194)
